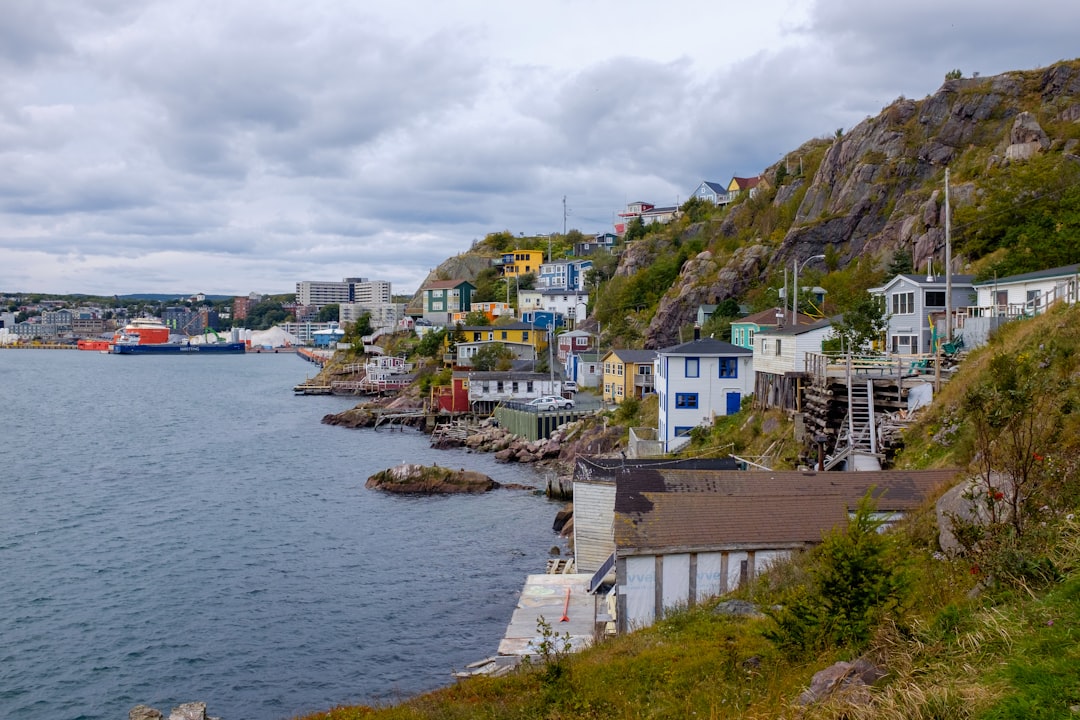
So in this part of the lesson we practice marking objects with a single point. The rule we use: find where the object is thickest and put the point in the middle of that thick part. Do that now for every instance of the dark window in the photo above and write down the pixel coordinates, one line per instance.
(729, 367)
(686, 400)
(935, 298)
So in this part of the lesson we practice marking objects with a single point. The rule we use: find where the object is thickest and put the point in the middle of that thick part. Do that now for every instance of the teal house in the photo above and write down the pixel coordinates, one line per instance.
(744, 329)
(443, 298)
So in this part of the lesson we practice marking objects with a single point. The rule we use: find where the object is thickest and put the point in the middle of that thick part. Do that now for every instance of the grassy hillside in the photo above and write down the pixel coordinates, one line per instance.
(989, 634)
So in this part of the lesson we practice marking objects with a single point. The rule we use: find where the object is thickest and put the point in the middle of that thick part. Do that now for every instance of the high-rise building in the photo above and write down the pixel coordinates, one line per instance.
(349, 290)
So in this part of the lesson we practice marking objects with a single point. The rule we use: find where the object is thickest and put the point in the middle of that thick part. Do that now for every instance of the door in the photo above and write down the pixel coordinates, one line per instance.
(733, 403)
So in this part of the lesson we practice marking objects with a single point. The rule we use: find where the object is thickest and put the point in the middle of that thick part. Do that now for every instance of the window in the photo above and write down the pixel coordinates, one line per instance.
(619, 390)
(778, 346)
(729, 367)
(644, 370)
(749, 337)
(686, 401)
(1034, 299)
(693, 367)
(503, 334)
(514, 387)
(619, 370)
(935, 298)
(528, 386)
(484, 387)
(476, 337)
(764, 346)
(903, 303)
(682, 430)
(499, 386)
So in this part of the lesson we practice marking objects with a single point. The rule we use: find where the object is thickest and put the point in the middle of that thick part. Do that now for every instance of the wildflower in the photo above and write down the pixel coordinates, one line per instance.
(974, 569)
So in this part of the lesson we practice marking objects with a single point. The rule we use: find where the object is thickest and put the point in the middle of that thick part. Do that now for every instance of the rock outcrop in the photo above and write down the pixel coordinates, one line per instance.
(187, 711)
(409, 478)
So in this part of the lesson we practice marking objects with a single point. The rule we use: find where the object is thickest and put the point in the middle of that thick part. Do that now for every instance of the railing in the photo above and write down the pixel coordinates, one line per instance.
(1066, 293)
(823, 365)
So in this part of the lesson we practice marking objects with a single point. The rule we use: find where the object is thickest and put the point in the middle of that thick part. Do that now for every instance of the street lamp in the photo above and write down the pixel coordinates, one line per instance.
(795, 290)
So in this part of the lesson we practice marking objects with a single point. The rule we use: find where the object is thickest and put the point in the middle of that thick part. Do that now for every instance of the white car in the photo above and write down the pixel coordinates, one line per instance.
(551, 402)
(569, 386)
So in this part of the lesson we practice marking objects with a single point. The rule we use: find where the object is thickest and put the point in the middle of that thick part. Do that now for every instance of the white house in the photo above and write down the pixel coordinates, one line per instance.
(1002, 299)
(695, 382)
(780, 361)
(492, 387)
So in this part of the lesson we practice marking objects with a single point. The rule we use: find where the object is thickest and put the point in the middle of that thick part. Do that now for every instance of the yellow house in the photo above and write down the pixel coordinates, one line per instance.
(522, 262)
(627, 373)
(526, 341)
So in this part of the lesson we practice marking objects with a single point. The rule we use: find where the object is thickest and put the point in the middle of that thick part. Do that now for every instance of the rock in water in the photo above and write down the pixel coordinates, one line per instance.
(433, 480)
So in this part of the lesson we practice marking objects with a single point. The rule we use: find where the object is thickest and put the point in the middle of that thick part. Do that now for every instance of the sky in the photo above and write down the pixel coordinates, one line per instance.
(184, 146)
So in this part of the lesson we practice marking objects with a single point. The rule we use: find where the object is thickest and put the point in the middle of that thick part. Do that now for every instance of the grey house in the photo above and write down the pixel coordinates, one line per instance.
(914, 303)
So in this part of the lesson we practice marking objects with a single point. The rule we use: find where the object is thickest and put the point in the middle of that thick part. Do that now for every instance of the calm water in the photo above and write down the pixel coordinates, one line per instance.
(179, 529)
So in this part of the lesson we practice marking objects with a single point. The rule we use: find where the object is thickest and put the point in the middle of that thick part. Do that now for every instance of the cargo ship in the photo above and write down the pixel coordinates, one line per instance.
(149, 336)
(179, 348)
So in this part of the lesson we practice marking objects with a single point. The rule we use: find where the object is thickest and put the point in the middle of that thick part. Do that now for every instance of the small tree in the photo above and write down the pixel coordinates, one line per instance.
(493, 356)
(476, 319)
(856, 577)
(860, 326)
(329, 313)
(431, 345)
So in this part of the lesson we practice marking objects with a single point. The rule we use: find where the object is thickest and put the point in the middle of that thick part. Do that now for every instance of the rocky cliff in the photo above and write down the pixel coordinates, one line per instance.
(877, 188)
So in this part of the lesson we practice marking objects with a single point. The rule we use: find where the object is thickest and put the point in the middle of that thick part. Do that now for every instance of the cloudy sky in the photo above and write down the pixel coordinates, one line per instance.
(231, 146)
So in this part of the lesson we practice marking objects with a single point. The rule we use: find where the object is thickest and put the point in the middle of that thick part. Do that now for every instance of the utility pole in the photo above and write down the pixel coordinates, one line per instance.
(563, 217)
(948, 263)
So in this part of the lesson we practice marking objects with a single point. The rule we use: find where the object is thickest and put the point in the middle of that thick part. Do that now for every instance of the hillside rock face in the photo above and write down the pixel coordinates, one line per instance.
(879, 187)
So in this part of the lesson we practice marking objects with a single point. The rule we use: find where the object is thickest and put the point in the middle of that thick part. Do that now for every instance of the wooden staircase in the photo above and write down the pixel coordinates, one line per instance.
(858, 435)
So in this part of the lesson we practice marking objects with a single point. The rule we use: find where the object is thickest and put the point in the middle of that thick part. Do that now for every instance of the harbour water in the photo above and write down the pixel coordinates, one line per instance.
(183, 528)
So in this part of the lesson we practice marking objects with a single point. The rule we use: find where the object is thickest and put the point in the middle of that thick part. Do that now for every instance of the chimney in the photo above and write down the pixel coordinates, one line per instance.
(697, 331)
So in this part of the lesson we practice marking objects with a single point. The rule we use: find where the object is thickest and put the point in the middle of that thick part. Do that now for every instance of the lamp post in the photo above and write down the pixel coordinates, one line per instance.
(795, 289)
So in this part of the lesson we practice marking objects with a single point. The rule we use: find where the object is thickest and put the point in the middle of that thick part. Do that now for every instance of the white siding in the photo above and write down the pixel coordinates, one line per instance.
(594, 515)
(676, 576)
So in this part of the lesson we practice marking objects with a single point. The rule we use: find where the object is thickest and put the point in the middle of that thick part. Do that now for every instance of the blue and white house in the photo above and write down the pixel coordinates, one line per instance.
(696, 381)
(563, 274)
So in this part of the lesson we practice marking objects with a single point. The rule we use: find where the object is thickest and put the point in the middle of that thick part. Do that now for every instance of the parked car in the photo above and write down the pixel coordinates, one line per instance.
(551, 402)
(569, 386)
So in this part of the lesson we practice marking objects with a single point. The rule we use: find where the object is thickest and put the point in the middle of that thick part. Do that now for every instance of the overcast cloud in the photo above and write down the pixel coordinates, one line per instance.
(183, 146)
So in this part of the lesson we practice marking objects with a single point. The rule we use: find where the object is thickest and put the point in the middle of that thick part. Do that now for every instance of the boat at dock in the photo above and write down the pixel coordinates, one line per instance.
(149, 336)
(180, 348)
